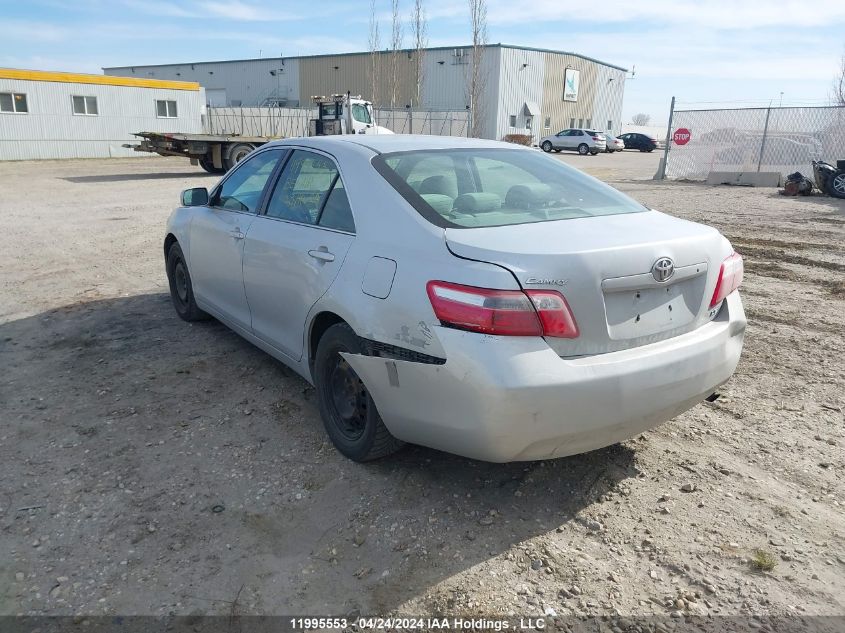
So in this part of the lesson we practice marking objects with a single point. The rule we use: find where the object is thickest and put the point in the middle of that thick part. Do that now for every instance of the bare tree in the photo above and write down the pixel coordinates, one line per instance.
(478, 23)
(374, 44)
(395, 48)
(419, 25)
(641, 119)
(839, 85)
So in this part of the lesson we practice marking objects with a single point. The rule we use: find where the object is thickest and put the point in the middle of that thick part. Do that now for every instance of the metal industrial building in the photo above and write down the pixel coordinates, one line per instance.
(71, 115)
(526, 90)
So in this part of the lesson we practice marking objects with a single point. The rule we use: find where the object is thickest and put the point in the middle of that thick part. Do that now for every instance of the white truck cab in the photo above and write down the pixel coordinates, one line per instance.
(344, 114)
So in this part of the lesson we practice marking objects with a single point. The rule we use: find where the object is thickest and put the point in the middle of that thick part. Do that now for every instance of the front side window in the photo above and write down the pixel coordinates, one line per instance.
(85, 106)
(165, 109)
(497, 187)
(361, 113)
(242, 189)
(310, 191)
(13, 102)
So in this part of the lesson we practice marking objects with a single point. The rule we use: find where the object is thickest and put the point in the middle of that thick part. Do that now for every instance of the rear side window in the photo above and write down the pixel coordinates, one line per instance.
(467, 188)
(310, 191)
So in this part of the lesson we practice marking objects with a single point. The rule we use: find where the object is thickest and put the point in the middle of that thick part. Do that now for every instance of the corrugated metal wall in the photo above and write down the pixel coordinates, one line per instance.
(521, 81)
(599, 100)
(246, 83)
(51, 130)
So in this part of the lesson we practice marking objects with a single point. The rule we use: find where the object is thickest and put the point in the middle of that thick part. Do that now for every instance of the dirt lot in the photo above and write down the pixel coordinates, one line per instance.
(152, 467)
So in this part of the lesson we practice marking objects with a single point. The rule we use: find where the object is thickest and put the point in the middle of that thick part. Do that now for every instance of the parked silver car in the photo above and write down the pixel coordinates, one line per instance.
(582, 141)
(467, 295)
(614, 143)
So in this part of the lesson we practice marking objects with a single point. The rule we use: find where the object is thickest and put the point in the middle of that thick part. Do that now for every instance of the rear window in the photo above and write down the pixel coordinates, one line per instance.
(470, 188)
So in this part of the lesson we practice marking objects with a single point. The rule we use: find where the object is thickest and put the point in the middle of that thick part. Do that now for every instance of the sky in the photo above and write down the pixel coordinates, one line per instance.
(707, 53)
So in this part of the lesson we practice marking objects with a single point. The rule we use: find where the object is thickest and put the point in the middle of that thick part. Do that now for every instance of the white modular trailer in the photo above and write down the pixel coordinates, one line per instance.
(48, 115)
(523, 89)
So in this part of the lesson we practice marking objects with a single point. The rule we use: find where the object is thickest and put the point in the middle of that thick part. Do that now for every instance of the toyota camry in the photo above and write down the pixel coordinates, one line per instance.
(471, 296)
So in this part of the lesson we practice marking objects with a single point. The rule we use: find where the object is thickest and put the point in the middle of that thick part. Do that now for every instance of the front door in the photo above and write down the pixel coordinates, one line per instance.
(295, 247)
(217, 237)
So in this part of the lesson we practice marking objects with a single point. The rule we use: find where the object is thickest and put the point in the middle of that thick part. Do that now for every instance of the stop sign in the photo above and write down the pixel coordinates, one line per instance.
(681, 136)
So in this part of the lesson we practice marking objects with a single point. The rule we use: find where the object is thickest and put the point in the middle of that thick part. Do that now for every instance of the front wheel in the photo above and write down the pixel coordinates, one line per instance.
(181, 288)
(546, 146)
(349, 414)
(836, 185)
(583, 149)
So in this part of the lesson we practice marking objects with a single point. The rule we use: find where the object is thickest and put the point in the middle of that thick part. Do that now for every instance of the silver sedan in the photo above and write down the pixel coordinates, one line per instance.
(467, 295)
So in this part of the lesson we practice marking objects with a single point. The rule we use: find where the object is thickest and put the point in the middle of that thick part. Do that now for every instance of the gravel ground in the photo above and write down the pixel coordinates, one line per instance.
(149, 466)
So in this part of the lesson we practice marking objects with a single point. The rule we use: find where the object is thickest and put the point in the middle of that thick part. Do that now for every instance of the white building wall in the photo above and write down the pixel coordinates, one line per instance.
(521, 74)
(51, 130)
(245, 83)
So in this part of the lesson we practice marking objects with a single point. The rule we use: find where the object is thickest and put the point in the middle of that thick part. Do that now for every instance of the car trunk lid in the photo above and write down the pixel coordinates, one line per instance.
(604, 267)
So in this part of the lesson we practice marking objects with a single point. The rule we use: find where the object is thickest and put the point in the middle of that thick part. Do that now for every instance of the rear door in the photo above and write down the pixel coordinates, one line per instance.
(217, 233)
(295, 247)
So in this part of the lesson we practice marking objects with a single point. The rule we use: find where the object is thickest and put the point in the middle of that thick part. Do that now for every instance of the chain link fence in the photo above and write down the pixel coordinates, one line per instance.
(782, 140)
(287, 122)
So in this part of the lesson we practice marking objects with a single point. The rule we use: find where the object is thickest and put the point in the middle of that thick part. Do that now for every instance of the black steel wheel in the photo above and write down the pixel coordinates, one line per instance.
(836, 185)
(236, 154)
(349, 414)
(208, 166)
(181, 289)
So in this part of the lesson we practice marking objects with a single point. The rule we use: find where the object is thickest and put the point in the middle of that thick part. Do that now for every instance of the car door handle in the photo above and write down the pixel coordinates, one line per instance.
(322, 255)
(236, 234)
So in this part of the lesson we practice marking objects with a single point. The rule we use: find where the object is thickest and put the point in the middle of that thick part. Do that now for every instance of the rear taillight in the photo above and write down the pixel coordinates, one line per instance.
(502, 312)
(596, 138)
(730, 277)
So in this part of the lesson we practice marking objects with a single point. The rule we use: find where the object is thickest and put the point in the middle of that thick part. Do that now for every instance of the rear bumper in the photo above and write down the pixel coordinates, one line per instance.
(505, 399)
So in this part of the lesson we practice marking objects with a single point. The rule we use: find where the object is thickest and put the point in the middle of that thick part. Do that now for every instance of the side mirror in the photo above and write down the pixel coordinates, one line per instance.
(196, 197)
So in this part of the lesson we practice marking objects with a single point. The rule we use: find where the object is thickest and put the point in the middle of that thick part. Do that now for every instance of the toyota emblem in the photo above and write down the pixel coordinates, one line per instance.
(663, 269)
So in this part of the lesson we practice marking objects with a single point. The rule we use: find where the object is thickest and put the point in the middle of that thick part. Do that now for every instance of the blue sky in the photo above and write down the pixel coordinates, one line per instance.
(702, 51)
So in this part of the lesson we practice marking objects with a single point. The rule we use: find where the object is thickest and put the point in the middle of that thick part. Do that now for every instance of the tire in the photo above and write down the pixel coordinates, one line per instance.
(583, 149)
(650, 150)
(181, 288)
(557, 151)
(208, 166)
(236, 154)
(836, 184)
(546, 146)
(643, 150)
(349, 414)
(594, 152)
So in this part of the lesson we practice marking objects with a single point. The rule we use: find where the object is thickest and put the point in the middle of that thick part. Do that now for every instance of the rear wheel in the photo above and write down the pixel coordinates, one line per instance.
(583, 149)
(236, 154)
(836, 185)
(208, 166)
(546, 146)
(349, 414)
(181, 289)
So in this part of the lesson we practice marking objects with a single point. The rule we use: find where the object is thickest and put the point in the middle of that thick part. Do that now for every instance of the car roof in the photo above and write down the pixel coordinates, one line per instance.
(383, 143)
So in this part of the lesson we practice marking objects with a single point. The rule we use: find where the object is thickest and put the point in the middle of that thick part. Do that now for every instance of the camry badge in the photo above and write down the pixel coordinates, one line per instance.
(536, 281)
(663, 269)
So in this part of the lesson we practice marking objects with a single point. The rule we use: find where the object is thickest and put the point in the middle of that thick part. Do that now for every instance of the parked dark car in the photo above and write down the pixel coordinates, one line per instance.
(642, 142)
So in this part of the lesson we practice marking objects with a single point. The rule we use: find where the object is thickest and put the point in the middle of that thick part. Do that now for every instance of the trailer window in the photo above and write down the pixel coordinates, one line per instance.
(165, 109)
(361, 113)
(13, 102)
(85, 106)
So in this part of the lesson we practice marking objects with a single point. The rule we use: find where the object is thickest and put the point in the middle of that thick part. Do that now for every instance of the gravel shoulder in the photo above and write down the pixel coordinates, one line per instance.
(149, 466)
